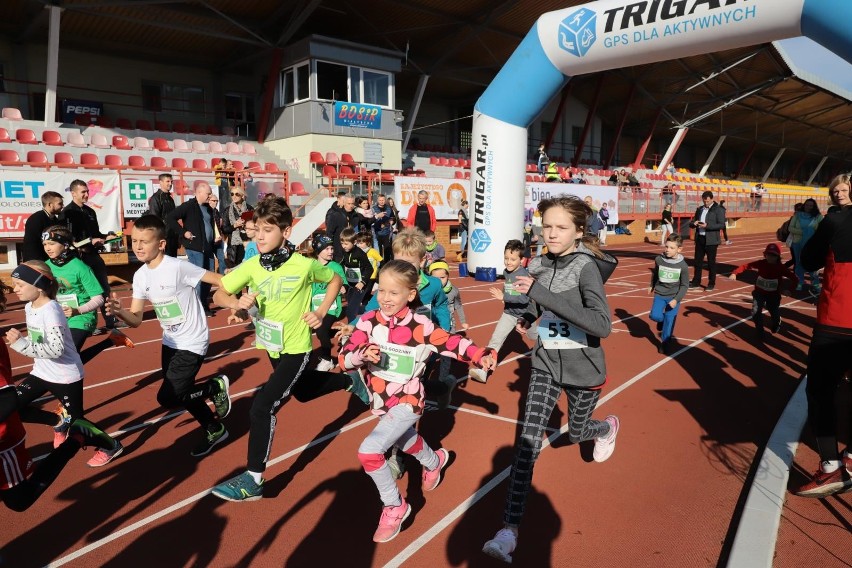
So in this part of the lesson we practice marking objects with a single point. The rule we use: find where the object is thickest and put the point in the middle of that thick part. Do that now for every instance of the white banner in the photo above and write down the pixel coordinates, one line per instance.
(22, 191)
(445, 195)
(137, 189)
(594, 195)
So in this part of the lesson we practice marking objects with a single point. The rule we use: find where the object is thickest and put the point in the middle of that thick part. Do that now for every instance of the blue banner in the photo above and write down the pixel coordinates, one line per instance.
(357, 115)
(72, 108)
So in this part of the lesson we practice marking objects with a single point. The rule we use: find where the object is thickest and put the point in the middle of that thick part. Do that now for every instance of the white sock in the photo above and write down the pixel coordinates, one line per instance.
(830, 466)
(258, 477)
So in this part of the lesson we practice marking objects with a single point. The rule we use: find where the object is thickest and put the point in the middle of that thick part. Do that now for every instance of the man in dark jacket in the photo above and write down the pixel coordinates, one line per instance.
(82, 221)
(161, 204)
(708, 220)
(339, 218)
(196, 234)
(51, 203)
(383, 219)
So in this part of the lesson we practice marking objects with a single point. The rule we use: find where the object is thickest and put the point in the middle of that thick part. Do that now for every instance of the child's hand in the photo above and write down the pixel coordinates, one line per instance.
(246, 301)
(313, 320)
(371, 353)
(359, 286)
(522, 325)
(496, 293)
(236, 316)
(68, 311)
(651, 290)
(465, 326)
(12, 335)
(488, 363)
(112, 305)
(524, 283)
(673, 303)
(732, 277)
(343, 329)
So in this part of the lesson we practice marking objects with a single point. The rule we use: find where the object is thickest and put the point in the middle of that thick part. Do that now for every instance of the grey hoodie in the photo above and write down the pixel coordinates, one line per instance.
(670, 278)
(571, 288)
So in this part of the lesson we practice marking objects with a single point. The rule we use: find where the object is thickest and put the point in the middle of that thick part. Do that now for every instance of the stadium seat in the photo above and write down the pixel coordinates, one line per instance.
(200, 164)
(36, 157)
(51, 138)
(9, 156)
(136, 162)
(196, 129)
(76, 140)
(271, 167)
(348, 160)
(296, 188)
(331, 159)
(142, 143)
(317, 159)
(329, 172)
(143, 124)
(459, 174)
(215, 148)
(467, 175)
(180, 145)
(254, 166)
(214, 162)
(213, 130)
(25, 136)
(89, 159)
(233, 148)
(237, 165)
(99, 141)
(162, 145)
(10, 113)
(159, 162)
(120, 143)
(178, 163)
(199, 147)
(454, 163)
(112, 160)
(123, 123)
(180, 128)
(103, 122)
(433, 161)
(162, 126)
(249, 149)
(63, 159)
(443, 161)
(346, 172)
(4, 135)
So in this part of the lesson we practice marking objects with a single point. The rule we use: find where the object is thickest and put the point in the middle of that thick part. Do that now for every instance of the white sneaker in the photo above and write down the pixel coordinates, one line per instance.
(605, 445)
(325, 365)
(729, 242)
(502, 545)
(478, 375)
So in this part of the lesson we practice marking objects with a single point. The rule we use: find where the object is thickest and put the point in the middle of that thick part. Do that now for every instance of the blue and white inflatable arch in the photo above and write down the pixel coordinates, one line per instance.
(603, 35)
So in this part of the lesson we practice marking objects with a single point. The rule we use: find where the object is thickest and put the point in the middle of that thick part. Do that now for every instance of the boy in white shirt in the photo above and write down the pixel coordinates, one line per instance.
(169, 284)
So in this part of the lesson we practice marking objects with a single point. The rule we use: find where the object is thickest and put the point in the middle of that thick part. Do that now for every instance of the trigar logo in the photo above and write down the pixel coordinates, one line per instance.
(479, 240)
(577, 32)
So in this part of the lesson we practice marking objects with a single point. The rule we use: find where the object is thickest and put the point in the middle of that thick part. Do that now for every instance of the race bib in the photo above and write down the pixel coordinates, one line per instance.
(316, 301)
(668, 274)
(509, 288)
(556, 333)
(397, 363)
(353, 274)
(68, 300)
(168, 311)
(270, 334)
(768, 284)
(36, 334)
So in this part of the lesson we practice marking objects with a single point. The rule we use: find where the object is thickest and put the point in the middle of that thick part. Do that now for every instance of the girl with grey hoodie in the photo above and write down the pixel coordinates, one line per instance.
(570, 306)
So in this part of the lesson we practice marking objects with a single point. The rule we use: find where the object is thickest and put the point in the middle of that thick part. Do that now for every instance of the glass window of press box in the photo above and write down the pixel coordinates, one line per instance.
(336, 82)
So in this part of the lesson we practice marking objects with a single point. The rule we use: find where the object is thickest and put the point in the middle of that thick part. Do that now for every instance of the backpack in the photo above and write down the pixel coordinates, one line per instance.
(783, 232)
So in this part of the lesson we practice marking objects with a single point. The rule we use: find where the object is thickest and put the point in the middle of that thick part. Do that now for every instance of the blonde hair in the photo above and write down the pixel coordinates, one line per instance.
(410, 242)
(403, 271)
(842, 178)
(580, 213)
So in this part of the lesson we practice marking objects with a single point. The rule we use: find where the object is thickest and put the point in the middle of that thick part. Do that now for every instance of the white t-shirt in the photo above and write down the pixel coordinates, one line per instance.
(65, 369)
(170, 288)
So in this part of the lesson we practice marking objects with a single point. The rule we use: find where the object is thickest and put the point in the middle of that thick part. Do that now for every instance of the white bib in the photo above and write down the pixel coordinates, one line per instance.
(353, 274)
(668, 274)
(509, 288)
(556, 333)
(397, 363)
(168, 311)
(68, 300)
(768, 284)
(269, 334)
(316, 301)
(36, 334)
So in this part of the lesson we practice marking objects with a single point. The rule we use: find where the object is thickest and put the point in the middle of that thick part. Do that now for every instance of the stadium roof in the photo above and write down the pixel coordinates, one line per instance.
(762, 94)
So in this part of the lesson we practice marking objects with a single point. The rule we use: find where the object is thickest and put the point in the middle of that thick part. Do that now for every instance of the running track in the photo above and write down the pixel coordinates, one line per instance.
(693, 425)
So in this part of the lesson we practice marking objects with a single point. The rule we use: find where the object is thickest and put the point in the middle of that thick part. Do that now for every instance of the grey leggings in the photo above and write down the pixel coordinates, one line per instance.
(541, 399)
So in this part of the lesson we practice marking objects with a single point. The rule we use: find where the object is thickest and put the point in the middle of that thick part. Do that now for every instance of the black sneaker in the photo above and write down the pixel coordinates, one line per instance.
(211, 439)
(777, 327)
(222, 398)
(710, 288)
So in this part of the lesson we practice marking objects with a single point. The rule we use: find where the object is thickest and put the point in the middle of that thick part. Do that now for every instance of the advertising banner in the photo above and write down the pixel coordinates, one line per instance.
(445, 195)
(21, 191)
(72, 108)
(136, 190)
(357, 115)
(594, 195)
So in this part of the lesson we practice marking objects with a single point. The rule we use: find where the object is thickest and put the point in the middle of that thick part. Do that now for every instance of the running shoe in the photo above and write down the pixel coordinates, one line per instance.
(358, 388)
(88, 434)
(502, 545)
(605, 445)
(478, 375)
(119, 339)
(823, 484)
(222, 398)
(391, 521)
(60, 431)
(431, 479)
(210, 441)
(104, 456)
(325, 365)
(239, 488)
(776, 327)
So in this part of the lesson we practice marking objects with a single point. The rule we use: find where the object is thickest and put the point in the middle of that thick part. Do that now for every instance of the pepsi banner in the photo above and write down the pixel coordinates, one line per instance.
(73, 108)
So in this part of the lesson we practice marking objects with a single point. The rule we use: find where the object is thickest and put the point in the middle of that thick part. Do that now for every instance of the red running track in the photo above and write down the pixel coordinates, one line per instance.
(692, 427)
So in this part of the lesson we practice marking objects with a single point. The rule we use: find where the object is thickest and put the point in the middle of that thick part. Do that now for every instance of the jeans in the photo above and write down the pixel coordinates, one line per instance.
(463, 237)
(205, 261)
(661, 312)
(219, 251)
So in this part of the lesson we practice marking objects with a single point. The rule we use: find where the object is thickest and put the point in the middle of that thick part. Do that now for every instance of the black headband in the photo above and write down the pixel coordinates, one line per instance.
(33, 277)
(56, 237)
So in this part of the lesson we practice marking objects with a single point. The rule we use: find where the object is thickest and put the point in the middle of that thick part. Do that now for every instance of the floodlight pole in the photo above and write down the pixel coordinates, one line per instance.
(712, 155)
(52, 66)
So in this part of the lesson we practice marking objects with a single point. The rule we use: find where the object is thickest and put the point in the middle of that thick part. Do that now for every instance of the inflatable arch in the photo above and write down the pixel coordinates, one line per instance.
(605, 35)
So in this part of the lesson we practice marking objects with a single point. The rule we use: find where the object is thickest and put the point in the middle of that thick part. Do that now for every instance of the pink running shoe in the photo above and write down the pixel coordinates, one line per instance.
(103, 457)
(502, 545)
(431, 479)
(605, 445)
(391, 522)
(60, 431)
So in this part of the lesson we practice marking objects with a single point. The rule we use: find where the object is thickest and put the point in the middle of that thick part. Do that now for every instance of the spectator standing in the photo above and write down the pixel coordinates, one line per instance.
(603, 213)
(666, 224)
(542, 159)
(757, 196)
(219, 244)
(725, 228)
(396, 220)
(421, 214)
(51, 205)
(363, 209)
(82, 221)
(340, 218)
(707, 222)
(839, 193)
(160, 205)
(383, 221)
(537, 236)
(234, 227)
(197, 235)
(802, 228)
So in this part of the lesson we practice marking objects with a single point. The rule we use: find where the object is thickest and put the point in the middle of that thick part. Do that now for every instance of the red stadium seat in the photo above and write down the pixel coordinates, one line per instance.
(459, 174)
(296, 188)
(347, 159)
(143, 124)
(120, 143)
(237, 165)
(162, 126)
(9, 156)
(331, 159)
(159, 162)
(197, 129)
(329, 172)
(36, 157)
(433, 161)
(112, 160)
(162, 145)
(317, 159)
(103, 122)
(214, 162)
(180, 128)
(88, 159)
(200, 164)
(25, 136)
(63, 159)
(254, 166)
(136, 162)
(4, 135)
(123, 123)
(51, 138)
(178, 163)
(271, 167)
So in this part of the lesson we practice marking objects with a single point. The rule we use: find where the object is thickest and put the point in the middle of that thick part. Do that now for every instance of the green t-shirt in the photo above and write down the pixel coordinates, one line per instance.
(318, 291)
(77, 285)
(284, 296)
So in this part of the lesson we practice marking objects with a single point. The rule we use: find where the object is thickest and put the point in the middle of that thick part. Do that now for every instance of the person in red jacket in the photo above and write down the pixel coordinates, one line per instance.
(828, 357)
(768, 287)
(421, 214)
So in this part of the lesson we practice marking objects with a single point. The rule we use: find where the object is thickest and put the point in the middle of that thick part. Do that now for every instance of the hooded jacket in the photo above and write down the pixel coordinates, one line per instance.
(571, 288)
